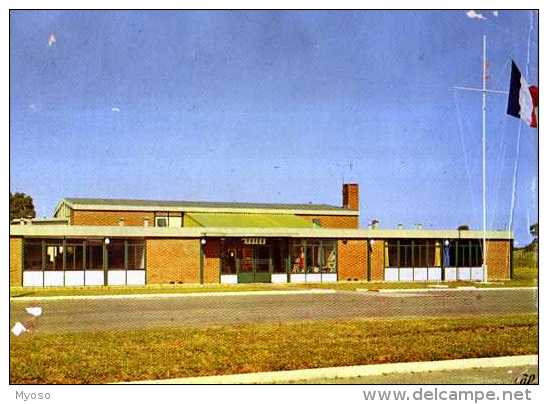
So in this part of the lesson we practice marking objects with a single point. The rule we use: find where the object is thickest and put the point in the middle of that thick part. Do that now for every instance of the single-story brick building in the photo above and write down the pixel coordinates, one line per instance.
(117, 242)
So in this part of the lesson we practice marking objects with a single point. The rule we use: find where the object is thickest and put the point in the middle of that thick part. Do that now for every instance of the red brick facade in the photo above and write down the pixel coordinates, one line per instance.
(335, 222)
(212, 260)
(173, 260)
(352, 260)
(376, 260)
(110, 218)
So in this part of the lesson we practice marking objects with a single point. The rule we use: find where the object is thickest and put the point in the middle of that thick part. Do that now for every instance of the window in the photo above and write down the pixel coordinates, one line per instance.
(32, 255)
(317, 222)
(298, 258)
(75, 255)
(54, 255)
(135, 255)
(162, 221)
(463, 253)
(328, 256)
(412, 253)
(94, 254)
(115, 254)
(314, 256)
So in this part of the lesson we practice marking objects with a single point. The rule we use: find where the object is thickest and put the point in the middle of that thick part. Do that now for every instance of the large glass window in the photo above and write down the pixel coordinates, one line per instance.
(94, 254)
(314, 256)
(412, 253)
(464, 253)
(135, 255)
(328, 255)
(72, 254)
(116, 254)
(298, 258)
(75, 255)
(54, 255)
(33, 255)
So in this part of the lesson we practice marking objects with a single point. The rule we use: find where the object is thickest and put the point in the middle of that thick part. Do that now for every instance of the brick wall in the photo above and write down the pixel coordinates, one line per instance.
(352, 260)
(173, 260)
(110, 218)
(212, 261)
(338, 222)
(498, 259)
(351, 196)
(377, 260)
(16, 258)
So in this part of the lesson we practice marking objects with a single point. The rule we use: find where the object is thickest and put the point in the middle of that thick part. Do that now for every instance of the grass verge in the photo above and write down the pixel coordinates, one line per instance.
(524, 276)
(103, 357)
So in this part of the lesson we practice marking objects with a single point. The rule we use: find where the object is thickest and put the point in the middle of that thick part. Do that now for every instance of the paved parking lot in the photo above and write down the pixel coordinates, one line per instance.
(110, 314)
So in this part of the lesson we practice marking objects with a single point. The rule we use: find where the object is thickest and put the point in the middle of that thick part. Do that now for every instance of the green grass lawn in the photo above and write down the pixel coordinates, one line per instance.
(103, 357)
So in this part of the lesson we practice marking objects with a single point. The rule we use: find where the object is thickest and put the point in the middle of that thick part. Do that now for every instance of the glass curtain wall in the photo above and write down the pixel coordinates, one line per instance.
(78, 255)
(424, 253)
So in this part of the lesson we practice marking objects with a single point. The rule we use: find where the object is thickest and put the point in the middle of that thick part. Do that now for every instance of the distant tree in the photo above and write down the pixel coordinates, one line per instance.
(21, 206)
(463, 227)
(533, 229)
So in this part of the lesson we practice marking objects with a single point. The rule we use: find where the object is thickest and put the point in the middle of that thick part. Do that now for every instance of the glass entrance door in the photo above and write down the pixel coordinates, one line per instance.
(255, 264)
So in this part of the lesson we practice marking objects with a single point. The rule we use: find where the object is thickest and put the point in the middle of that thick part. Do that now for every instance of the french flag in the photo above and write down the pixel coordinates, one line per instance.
(523, 99)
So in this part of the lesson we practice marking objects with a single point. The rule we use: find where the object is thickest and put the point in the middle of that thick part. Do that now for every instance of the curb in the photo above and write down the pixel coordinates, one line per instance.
(351, 371)
(457, 289)
(169, 295)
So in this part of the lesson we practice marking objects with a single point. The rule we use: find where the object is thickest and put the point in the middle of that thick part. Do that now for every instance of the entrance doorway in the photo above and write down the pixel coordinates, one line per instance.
(255, 264)
(249, 260)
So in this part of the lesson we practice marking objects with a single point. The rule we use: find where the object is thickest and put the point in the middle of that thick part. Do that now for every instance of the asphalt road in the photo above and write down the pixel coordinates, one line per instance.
(111, 314)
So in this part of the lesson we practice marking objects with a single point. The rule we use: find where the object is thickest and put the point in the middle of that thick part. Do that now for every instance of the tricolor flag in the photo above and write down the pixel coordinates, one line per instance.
(523, 99)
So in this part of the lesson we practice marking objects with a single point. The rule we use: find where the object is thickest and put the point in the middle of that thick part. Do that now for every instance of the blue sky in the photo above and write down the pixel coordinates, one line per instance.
(272, 107)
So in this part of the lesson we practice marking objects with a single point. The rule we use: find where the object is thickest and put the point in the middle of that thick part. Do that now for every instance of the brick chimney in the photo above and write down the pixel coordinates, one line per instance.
(351, 196)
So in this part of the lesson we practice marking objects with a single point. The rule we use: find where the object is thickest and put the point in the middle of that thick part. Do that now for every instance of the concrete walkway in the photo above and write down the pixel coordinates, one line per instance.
(167, 295)
(352, 371)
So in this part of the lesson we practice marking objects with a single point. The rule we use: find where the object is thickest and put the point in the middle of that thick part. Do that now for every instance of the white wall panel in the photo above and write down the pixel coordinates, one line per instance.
(94, 278)
(421, 274)
(391, 274)
(434, 274)
(477, 273)
(74, 278)
(406, 274)
(116, 277)
(33, 278)
(297, 278)
(53, 278)
(329, 278)
(229, 279)
(463, 274)
(279, 278)
(450, 274)
(313, 278)
(136, 277)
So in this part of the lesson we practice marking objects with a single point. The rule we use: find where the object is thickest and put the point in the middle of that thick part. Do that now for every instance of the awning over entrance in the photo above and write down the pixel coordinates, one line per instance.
(245, 220)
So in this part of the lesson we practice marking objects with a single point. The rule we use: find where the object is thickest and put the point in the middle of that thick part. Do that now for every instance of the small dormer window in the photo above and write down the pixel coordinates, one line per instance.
(161, 221)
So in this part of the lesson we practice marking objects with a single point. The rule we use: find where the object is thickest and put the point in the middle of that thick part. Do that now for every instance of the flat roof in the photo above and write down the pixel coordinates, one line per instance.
(196, 232)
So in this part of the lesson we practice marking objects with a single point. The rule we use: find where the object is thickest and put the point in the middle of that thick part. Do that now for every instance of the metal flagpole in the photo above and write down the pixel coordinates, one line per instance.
(484, 92)
(484, 168)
